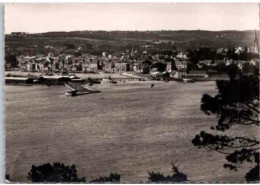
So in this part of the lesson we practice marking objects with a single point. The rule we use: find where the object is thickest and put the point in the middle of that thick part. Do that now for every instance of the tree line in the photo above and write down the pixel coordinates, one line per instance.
(60, 173)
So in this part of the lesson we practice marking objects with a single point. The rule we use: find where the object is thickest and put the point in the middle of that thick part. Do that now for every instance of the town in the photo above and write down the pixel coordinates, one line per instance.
(155, 60)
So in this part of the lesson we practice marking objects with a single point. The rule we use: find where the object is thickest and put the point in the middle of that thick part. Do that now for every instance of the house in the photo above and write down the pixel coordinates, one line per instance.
(222, 51)
(228, 62)
(93, 66)
(108, 67)
(254, 62)
(89, 67)
(241, 63)
(217, 62)
(182, 55)
(53, 67)
(180, 64)
(18, 33)
(8, 66)
(156, 75)
(74, 68)
(239, 50)
(29, 66)
(178, 74)
(205, 62)
(168, 66)
(120, 66)
(153, 70)
(84, 67)
(137, 68)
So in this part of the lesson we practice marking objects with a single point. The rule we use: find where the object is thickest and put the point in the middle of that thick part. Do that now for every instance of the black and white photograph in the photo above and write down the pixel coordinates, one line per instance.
(131, 92)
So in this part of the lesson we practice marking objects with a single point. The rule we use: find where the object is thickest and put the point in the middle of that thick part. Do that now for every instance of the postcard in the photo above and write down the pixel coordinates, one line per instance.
(132, 92)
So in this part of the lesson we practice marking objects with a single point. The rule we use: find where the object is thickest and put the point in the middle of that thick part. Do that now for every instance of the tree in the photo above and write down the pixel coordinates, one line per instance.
(88, 46)
(173, 65)
(221, 68)
(146, 66)
(11, 58)
(69, 46)
(177, 176)
(57, 172)
(233, 71)
(249, 68)
(7, 177)
(202, 53)
(160, 66)
(236, 105)
(231, 54)
(113, 177)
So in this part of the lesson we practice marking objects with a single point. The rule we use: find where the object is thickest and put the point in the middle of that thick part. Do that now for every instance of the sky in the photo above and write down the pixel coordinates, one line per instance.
(36, 18)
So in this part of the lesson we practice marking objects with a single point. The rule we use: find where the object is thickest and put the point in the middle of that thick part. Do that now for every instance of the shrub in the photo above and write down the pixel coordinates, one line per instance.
(113, 177)
(57, 172)
(177, 176)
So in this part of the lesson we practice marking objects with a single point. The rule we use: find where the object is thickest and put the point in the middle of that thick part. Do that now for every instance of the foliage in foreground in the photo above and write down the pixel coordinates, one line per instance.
(236, 105)
(177, 176)
(113, 177)
(57, 172)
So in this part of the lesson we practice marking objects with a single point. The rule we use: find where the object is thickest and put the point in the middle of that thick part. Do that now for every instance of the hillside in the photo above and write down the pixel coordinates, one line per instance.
(118, 41)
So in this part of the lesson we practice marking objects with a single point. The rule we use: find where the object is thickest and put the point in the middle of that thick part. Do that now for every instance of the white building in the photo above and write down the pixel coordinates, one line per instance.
(181, 64)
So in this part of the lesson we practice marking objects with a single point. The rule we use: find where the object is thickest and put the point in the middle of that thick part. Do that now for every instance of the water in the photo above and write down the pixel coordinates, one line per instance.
(128, 128)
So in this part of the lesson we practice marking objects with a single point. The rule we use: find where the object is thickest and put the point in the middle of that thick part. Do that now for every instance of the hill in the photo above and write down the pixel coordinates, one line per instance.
(118, 41)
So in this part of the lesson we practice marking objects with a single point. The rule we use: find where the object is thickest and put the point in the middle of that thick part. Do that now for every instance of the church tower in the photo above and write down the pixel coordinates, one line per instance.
(256, 43)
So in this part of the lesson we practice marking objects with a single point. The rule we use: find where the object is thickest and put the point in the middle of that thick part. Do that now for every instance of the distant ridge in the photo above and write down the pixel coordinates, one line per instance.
(147, 31)
(118, 41)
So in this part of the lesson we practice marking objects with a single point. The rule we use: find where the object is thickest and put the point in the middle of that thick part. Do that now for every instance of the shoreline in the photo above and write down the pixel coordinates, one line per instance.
(97, 76)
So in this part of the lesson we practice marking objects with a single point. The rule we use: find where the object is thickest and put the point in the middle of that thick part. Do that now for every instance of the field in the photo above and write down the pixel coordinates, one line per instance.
(128, 128)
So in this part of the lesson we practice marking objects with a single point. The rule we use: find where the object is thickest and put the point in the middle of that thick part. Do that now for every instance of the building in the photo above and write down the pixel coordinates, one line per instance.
(205, 62)
(18, 33)
(57, 80)
(168, 66)
(178, 74)
(93, 66)
(29, 66)
(137, 68)
(182, 55)
(8, 66)
(254, 62)
(120, 66)
(256, 43)
(18, 80)
(196, 75)
(218, 62)
(89, 67)
(156, 75)
(180, 64)
(239, 50)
